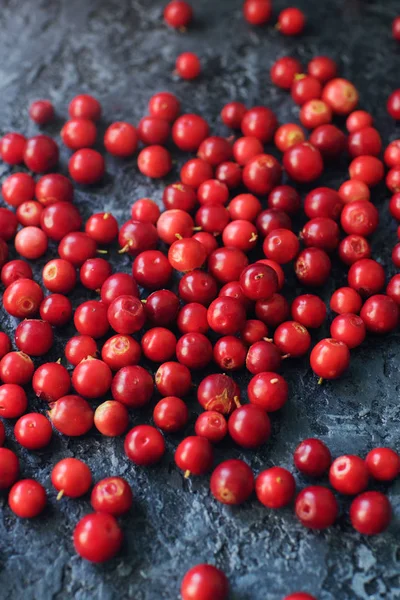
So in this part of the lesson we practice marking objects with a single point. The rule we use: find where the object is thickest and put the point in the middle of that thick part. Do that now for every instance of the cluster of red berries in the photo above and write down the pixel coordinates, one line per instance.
(209, 232)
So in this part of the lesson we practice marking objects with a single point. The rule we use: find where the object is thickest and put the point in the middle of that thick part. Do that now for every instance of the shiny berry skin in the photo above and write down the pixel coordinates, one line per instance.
(76, 247)
(179, 196)
(257, 12)
(299, 596)
(112, 495)
(158, 344)
(281, 245)
(393, 288)
(354, 248)
(111, 418)
(162, 307)
(370, 513)
(205, 582)
(354, 190)
(383, 464)
(348, 475)
(94, 272)
(27, 498)
(341, 95)
(51, 381)
(268, 390)
(33, 431)
(232, 482)
(13, 401)
(329, 358)
(212, 218)
(12, 148)
(309, 310)
(365, 142)
(263, 356)
(212, 191)
(305, 89)
(226, 315)
(392, 154)
(133, 386)
(393, 105)
(151, 269)
(285, 198)
(178, 14)
(312, 457)
(322, 68)
(195, 171)
(232, 114)
(41, 154)
(174, 223)
(164, 105)
(240, 234)
(86, 166)
(52, 188)
(90, 319)
(71, 477)
(59, 276)
(312, 267)
(244, 206)
(79, 133)
(284, 70)
(367, 169)
(72, 415)
(22, 298)
(215, 150)
(321, 232)
(316, 507)
(394, 206)
(92, 378)
(303, 162)
(154, 162)
(211, 425)
(173, 379)
(229, 353)
(229, 173)
(246, 148)
(291, 21)
(194, 350)
(192, 318)
(329, 140)
(194, 455)
(9, 468)
(188, 65)
(275, 487)
(59, 219)
(271, 219)
(186, 255)
(144, 445)
(17, 368)
(380, 314)
(56, 309)
(121, 139)
(249, 426)
(198, 286)
(396, 28)
(84, 106)
(170, 414)
(97, 537)
(366, 276)
(31, 242)
(18, 188)
(189, 131)
(261, 174)
(315, 113)
(119, 284)
(292, 338)
(259, 122)
(145, 210)
(34, 337)
(277, 268)
(234, 290)
(8, 224)
(346, 300)
(126, 314)
(253, 331)
(5, 344)
(288, 135)
(348, 328)
(358, 120)
(29, 213)
(393, 180)
(219, 393)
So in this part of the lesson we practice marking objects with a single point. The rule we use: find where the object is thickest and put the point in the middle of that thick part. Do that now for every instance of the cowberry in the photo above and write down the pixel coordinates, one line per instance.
(249, 426)
(51, 381)
(303, 162)
(112, 495)
(205, 581)
(164, 105)
(194, 455)
(159, 344)
(189, 131)
(27, 498)
(71, 477)
(173, 379)
(275, 487)
(316, 507)
(86, 166)
(133, 386)
(368, 169)
(188, 65)
(85, 106)
(34, 337)
(77, 247)
(79, 133)
(322, 68)
(284, 70)
(257, 12)
(22, 298)
(229, 353)
(92, 378)
(309, 310)
(370, 513)
(13, 401)
(154, 161)
(178, 14)
(211, 425)
(31, 242)
(312, 457)
(346, 300)
(312, 267)
(288, 135)
(59, 276)
(17, 368)
(232, 482)
(268, 390)
(56, 309)
(383, 464)
(71, 415)
(341, 95)
(9, 468)
(60, 218)
(12, 148)
(348, 474)
(171, 414)
(329, 358)
(380, 314)
(97, 537)
(348, 328)
(218, 393)
(41, 154)
(145, 210)
(33, 431)
(366, 276)
(111, 418)
(263, 356)
(226, 315)
(121, 139)
(144, 445)
(161, 307)
(291, 21)
(90, 319)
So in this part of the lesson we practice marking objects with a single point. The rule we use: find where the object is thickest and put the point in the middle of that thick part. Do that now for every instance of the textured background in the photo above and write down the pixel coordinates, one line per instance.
(123, 53)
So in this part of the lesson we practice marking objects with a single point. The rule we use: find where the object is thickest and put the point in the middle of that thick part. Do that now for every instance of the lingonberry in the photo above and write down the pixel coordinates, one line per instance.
(174, 224)
(215, 150)
(206, 581)
(145, 210)
(84, 106)
(366, 276)
(5, 344)
(370, 513)
(92, 378)
(367, 169)
(315, 113)
(154, 161)
(321, 232)
(126, 314)
(227, 264)
(396, 28)
(392, 154)
(194, 350)
(179, 196)
(188, 65)
(365, 142)
(111, 418)
(263, 356)
(211, 425)
(346, 300)
(312, 267)
(218, 392)
(33, 431)
(71, 477)
(232, 482)
(245, 207)
(51, 381)
(14, 270)
(259, 122)
(212, 218)
(17, 368)
(309, 310)
(90, 319)
(198, 286)
(164, 105)
(194, 455)
(119, 284)
(288, 135)
(18, 188)
(189, 131)
(305, 89)
(348, 474)
(162, 307)
(291, 21)
(257, 12)
(40, 154)
(316, 507)
(299, 596)
(31, 242)
(52, 188)
(170, 414)
(261, 174)
(229, 353)
(144, 445)
(259, 281)
(275, 487)
(358, 120)
(13, 401)
(392, 289)
(86, 166)
(348, 328)
(268, 390)
(79, 133)
(393, 105)
(285, 198)
(234, 290)
(59, 276)
(249, 426)
(72, 415)
(277, 268)
(121, 139)
(284, 70)
(292, 338)
(112, 495)
(178, 14)
(354, 190)
(312, 457)
(383, 464)
(212, 191)
(151, 269)
(354, 248)
(159, 344)
(380, 314)
(271, 219)
(94, 272)
(29, 213)
(34, 337)
(9, 468)
(59, 219)
(186, 255)
(322, 68)
(253, 331)
(229, 173)
(393, 180)
(97, 537)
(303, 162)
(329, 140)
(133, 386)
(12, 148)
(394, 206)
(8, 223)
(226, 315)
(56, 309)
(173, 379)
(192, 318)
(281, 245)
(195, 171)
(233, 113)
(27, 498)
(341, 95)
(240, 234)
(329, 358)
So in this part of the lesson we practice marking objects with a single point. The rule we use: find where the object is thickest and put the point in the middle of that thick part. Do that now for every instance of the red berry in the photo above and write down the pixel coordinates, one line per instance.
(291, 21)
(229, 173)
(154, 161)
(249, 426)
(292, 338)
(84, 106)
(112, 495)
(226, 315)
(232, 114)
(348, 474)
(366, 276)
(86, 166)
(71, 477)
(17, 368)
(195, 171)
(240, 234)
(288, 135)
(312, 457)
(392, 290)
(186, 254)
(94, 272)
(259, 122)
(365, 142)
(261, 174)
(27, 498)
(380, 314)
(29, 213)
(286, 199)
(212, 426)
(5, 344)
(56, 309)
(170, 414)
(189, 131)
(321, 232)
(22, 298)
(275, 487)
(257, 12)
(59, 276)
(194, 455)
(212, 191)
(8, 224)
(145, 210)
(329, 358)
(144, 445)
(309, 310)
(329, 140)
(303, 162)
(299, 596)
(173, 379)
(164, 106)
(158, 344)
(79, 133)
(121, 139)
(119, 284)
(80, 347)
(72, 415)
(13, 401)
(12, 148)
(179, 196)
(230, 353)
(348, 328)
(198, 286)
(9, 468)
(316, 507)
(90, 319)
(253, 331)
(98, 537)
(51, 381)
(41, 154)
(204, 582)
(341, 95)
(271, 219)
(133, 386)
(353, 190)
(370, 513)
(383, 464)
(92, 378)
(31, 242)
(178, 14)
(174, 224)
(305, 89)
(358, 120)
(192, 318)
(284, 70)
(312, 267)
(162, 307)
(346, 300)
(354, 249)
(393, 180)
(232, 482)
(368, 169)
(151, 269)
(268, 390)
(52, 188)
(212, 218)
(218, 393)
(59, 219)
(393, 105)
(188, 65)
(281, 245)
(392, 154)
(18, 188)
(111, 418)
(263, 356)
(322, 68)
(34, 337)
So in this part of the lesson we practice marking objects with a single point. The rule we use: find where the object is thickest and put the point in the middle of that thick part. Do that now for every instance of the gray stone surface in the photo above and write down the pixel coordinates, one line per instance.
(122, 52)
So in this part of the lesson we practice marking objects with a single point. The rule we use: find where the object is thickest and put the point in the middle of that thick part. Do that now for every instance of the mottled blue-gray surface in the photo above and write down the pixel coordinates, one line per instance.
(122, 52)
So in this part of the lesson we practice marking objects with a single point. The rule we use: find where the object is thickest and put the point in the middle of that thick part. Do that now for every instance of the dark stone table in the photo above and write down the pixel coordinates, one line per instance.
(122, 53)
